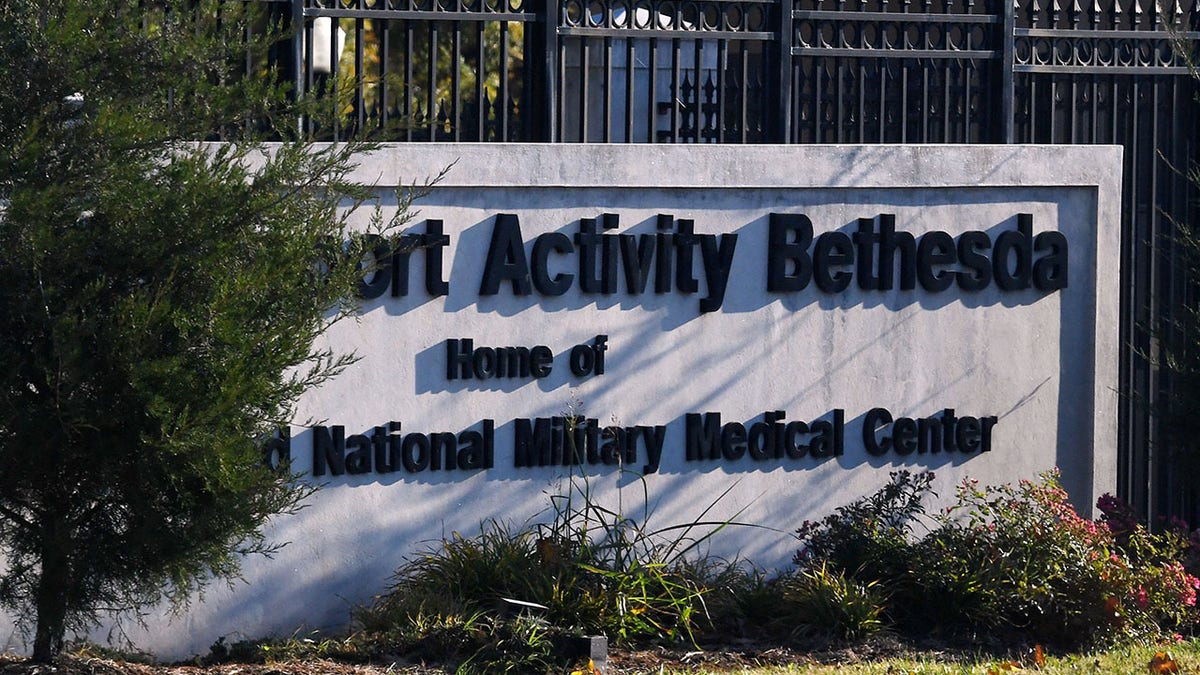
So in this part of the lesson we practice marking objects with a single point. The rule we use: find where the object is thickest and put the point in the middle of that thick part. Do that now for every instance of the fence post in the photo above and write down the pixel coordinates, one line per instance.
(1007, 105)
(784, 44)
(545, 70)
(298, 64)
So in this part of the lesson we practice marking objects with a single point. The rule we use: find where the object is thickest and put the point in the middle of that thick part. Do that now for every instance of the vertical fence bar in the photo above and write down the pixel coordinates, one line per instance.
(925, 112)
(585, 68)
(1073, 113)
(408, 112)
(481, 106)
(1158, 505)
(548, 71)
(947, 77)
(503, 96)
(385, 44)
(860, 131)
(334, 63)
(784, 41)
(360, 80)
(744, 111)
(431, 106)
(675, 106)
(561, 79)
(651, 126)
(968, 69)
(299, 61)
(1141, 490)
(697, 102)
(630, 93)
(1127, 471)
(606, 91)
(818, 101)
(456, 83)
(839, 95)
(881, 109)
(722, 66)
(1007, 61)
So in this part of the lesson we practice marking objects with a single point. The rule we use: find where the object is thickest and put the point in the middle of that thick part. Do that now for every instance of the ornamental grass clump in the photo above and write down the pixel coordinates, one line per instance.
(501, 596)
(827, 603)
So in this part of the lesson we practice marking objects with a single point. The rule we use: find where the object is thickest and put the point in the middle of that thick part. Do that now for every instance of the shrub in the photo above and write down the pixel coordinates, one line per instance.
(1160, 568)
(1012, 561)
(1019, 560)
(640, 581)
(870, 537)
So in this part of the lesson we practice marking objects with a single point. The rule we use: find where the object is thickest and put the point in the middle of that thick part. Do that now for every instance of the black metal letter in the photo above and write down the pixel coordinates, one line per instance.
(506, 258)
(788, 238)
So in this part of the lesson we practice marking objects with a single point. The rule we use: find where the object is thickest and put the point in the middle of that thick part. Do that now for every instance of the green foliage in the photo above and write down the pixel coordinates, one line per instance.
(1014, 562)
(480, 570)
(828, 603)
(639, 578)
(522, 645)
(480, 642)
(296, 647)
(86, 649)
(1007, 560)
(1010, 561)
(160, 300)
(739, 601)
(455, 79)
(870, 538)
(1018, 558)
(589, 569)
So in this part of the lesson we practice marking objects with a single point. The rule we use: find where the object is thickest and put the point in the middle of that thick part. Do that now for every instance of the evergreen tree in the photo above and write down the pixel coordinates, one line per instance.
(159, 299)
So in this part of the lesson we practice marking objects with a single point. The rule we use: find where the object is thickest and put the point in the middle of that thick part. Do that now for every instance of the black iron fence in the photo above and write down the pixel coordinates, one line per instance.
(806, 71)
(737, 71)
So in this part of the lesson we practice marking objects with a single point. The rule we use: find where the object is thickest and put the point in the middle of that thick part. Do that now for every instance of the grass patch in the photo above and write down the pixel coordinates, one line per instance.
(1127, 659)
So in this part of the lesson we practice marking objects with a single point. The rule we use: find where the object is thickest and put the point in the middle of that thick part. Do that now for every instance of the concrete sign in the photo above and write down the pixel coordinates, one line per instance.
(785, 325)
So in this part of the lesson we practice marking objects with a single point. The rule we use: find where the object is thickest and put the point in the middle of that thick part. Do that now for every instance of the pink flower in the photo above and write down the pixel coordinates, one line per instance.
(1143, 600)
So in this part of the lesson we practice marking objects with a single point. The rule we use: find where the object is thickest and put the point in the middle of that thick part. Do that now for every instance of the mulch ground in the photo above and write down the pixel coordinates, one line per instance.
(728, 658)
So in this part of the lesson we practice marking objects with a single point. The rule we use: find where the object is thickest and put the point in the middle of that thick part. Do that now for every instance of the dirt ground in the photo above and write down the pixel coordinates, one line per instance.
(620, 662)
